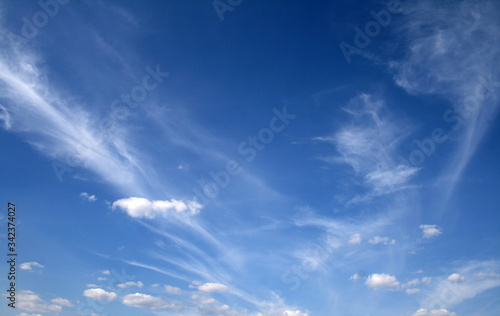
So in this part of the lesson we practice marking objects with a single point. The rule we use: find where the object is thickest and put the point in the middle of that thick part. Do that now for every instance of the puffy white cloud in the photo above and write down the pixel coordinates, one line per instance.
(105, 272)
(455, 277)
(412, 291)
(130, 284)
(381, 280)
(430, 231)
(26, 314)
(172, 290)
(385, 240)
(100, 295)
(88, 197)
(212, 287)
(437, 312)
(30, 265)
(62, 302)
(146, 301)
(31, 302)
(355, 239)
(294, 313)
(426, 280)
(143, 208)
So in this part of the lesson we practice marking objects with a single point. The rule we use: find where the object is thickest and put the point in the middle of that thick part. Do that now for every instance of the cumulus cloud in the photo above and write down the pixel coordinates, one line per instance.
(100, 294)
(144, 208)
(381, 281)
(430, 231)
(294, 313)
(145, 301)
(31, 302)
(437, 312)
(172, 290)
(88, 197)
(412, 291)
(426, 280)
(30, 265)
(130, 284)
(212, 287)
(62, 302)
(455, 277)
(381, 240)
(355, 239)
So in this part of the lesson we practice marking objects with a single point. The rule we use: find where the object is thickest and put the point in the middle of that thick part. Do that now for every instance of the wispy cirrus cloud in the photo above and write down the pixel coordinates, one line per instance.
(368, 145)
(453, 51)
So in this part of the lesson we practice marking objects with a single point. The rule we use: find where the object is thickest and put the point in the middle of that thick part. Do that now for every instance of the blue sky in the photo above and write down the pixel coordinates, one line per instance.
(254, 158)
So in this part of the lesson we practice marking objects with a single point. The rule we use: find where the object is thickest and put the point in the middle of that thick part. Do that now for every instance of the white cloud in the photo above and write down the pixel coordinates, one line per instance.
(449, 59)
(101, 279)
(426, 280)
(172, 290)
(30, 265)
(385, 240)
(482, 275)
(105, 272)
(62, 302)
(86, 196)
(381, 280)
(440, 312)
(412, 291)
(369, 146)
(100, 294)
(355, 239)
(143, 208)
(355, 277)
(411, 283)
(130, 284)
(294, 313)
(5, 117)
(212, 287)
(430, 231)
(455, 277)
(451, 290)
(145, 301)
(31, 302)
(92, 285)
(26, 314)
